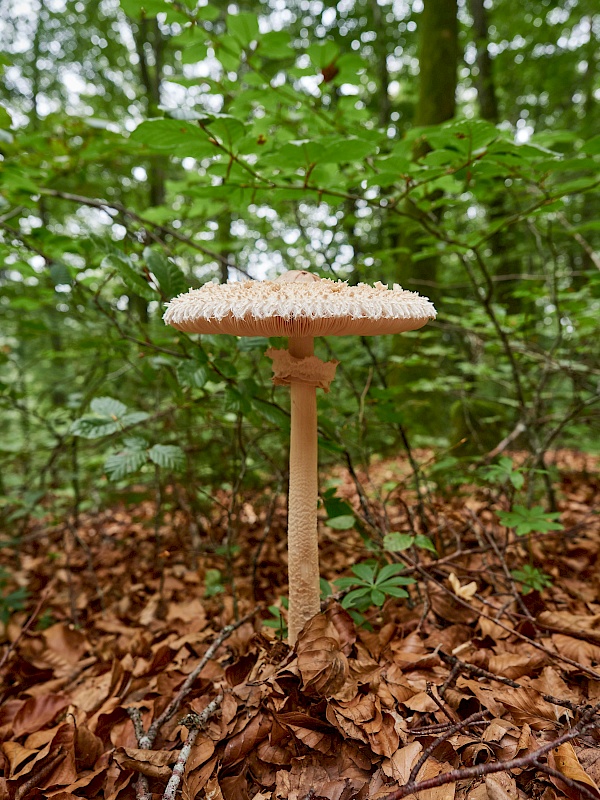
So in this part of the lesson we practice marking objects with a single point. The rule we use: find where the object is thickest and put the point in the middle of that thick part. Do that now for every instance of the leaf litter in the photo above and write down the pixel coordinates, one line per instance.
(131, 656)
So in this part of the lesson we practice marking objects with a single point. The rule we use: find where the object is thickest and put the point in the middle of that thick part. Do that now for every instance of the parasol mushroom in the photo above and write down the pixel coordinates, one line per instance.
(300, 305)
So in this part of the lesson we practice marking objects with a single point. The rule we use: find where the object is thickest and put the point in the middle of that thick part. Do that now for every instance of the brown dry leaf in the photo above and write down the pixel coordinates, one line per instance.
(202, 750)
(152, 763)
(310, 731)
(66, 641)
(212, 790)
(344, 625)
(579, 625)
(511, 665)
(399, 765)
(589, 758)
(564, 759)
(322, 664)
(17, 755)
(37, 712)
(195, 781)
(493, 630)
(528, 706)
(585, 653)
(447, 607)
(501, 787)
(235, 787)
(331, 778)
(247, 740)
(550, 682)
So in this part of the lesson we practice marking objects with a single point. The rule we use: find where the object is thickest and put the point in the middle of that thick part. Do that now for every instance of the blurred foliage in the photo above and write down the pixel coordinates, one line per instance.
(148, 147)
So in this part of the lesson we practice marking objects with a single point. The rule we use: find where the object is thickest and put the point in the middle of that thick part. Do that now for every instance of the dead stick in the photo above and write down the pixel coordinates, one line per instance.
(194, 723)
(40, 774)
(558, 656)
(479, 672)
(481, 770)
(176, 702)
(465, 723)
(579, 787)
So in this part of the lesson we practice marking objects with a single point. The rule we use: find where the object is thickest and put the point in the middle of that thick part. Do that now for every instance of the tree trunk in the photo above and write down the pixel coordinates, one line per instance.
(148, 32)
(438, 62)
(438, 68)
(484, 82)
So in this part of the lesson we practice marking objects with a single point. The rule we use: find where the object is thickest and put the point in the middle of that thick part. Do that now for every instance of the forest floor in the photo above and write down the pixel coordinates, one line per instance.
(468, 690)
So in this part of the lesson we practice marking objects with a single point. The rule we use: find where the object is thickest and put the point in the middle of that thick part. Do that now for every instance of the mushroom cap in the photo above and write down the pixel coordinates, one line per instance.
(298, 304)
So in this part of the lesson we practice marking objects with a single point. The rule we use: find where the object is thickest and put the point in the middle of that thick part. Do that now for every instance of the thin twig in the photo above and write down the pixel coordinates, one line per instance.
(25, 627)
(479, 771)
(175, 704)
(459, 726)
(479, 672)
(194, 723)
(39, 774)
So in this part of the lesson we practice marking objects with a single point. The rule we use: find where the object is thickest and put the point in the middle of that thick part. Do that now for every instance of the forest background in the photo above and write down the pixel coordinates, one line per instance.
(149, 147)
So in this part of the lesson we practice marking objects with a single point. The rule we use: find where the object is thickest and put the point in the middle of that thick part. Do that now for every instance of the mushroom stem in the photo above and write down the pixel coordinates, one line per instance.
(303, 541)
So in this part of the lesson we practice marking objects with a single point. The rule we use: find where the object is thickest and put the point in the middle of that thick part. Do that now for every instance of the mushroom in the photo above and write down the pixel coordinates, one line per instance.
(300, 305)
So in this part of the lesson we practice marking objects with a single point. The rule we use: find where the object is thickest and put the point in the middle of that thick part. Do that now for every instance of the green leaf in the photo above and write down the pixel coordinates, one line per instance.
(528, 520)
(343, 523)
(275, 45)
(396, 542)
(94, 427)
(322, 54)
(167, 456)
(110, 416)
(177, 138)
(377, 597)
(272, 413)
(353, 597)
(388, 571)
(393, 591)
(170, 278)
(108, 407)
(138, 9)
(60, 274)
(345, 583)
(191, 374)
(425, 543)
(364, 571)
(243, 26)
(5, 119)
(129, 275)
(592, 146)
(124, 463)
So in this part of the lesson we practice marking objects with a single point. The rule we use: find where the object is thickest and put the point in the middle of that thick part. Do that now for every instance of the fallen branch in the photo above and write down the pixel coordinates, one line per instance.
(176, 702)
(481, 770)
(480, 672)
(194, 723)
(39, 775)
(459, 726)
(146, 740)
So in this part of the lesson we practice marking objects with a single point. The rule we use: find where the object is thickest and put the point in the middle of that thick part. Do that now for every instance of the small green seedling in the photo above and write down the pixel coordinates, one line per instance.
(395, 542)
(213, 583)
(530, 520)
(277, 620)
(504, 472)
(531, 578)
(10, 601)
(373, 585)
